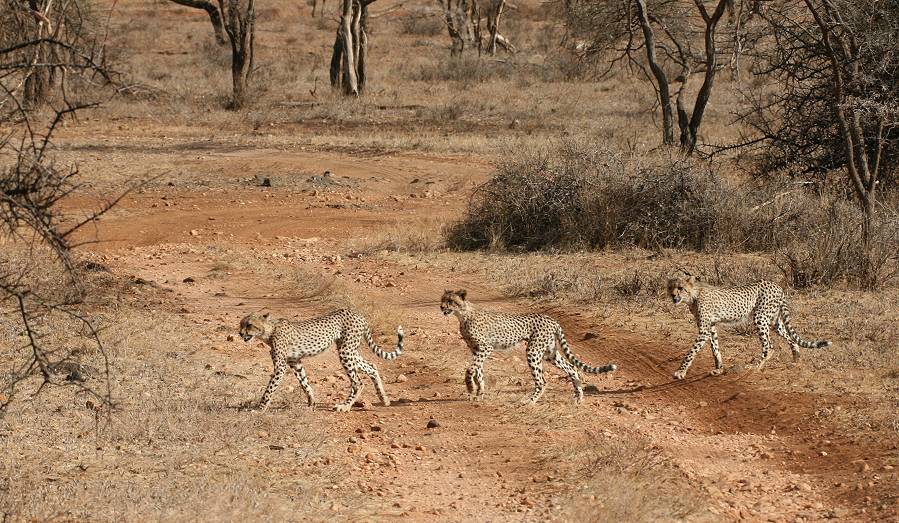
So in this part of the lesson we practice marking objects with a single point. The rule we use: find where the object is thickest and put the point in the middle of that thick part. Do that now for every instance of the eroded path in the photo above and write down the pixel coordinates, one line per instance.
(746, 447)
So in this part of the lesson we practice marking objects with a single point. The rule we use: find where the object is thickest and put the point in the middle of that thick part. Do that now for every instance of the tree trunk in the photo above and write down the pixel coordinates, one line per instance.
(240, 25)
(688, 139)
(659, 74)
(215, 16)
(349, 56)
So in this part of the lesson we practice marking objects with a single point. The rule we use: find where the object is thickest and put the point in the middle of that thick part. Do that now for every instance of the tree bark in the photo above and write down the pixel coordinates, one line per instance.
(215, 16)
(688, 135)
(240, 25)
(662, 85)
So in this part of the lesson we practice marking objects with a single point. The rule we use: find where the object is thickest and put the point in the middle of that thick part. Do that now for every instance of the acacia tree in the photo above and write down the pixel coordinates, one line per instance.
(666, 42)
(833, 71)
(215, 16)
(463, 22)
(350, 51)
(240, 25)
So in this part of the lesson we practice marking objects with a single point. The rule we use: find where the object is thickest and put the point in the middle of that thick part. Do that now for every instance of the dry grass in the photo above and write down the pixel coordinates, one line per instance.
(175, 440)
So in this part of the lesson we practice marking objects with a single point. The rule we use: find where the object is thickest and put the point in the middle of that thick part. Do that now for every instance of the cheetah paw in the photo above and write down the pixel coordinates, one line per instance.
(717, 372)
(385, 402)
(679, 375)
(343, 407)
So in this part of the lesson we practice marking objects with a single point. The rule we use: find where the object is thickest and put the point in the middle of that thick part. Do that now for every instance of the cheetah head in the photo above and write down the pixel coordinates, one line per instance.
(453, 301)
(255, 325)
(682, 288)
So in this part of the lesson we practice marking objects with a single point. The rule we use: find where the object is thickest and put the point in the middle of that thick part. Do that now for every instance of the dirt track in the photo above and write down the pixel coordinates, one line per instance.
(748, 442)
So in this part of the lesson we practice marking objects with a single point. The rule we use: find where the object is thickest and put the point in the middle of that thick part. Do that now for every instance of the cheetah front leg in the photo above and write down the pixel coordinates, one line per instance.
(474, 376)
(372, 372)
(716, 353)
(701, 338)
(274, 382)
(300, 372)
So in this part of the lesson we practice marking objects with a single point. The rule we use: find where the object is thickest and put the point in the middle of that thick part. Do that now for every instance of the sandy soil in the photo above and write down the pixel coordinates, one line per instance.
(749, 447)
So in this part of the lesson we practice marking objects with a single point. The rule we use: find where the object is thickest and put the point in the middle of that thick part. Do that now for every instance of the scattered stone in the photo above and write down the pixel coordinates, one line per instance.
(275, 447)
(591, 389)
(420, 447)
(376, 428)
(433, 424)
(703, 404)
(402, 378)
(91, 266)
(189, 279)
(262, 181)
(194, 232)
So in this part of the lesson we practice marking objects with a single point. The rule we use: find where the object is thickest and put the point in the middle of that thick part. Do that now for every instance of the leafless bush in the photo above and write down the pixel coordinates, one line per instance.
(828, 249)
(51, 55)
(582, 195)
(464, 69)
(423, 22)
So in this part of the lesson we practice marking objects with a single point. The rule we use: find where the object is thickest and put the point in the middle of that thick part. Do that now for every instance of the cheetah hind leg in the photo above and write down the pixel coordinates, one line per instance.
(535, 362)
(782, 331)
(572, 375)
(355, 387)
(372, 372)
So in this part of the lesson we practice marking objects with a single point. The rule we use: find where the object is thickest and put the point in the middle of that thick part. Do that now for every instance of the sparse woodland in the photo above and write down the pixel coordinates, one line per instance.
(566, 155)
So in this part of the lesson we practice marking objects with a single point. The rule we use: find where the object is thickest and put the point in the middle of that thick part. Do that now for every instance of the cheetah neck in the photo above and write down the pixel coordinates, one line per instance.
(465, 313)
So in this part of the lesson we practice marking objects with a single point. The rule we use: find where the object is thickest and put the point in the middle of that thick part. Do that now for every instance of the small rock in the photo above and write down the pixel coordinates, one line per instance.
(194, 232)
(275, 447)
(703, 404)
(420, 447)
(433, 424)
(189, 279)
(402, 378)
(376, 428)
(230, 337)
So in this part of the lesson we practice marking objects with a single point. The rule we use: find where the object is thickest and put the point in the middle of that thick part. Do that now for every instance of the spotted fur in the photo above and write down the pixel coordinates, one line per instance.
(290, 342)
(486, 331)
(762, 302)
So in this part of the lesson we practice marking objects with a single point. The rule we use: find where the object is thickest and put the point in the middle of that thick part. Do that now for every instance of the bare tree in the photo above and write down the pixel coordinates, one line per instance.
(831, 103)
(350, 52)
(240, 25)
(33, 231)
(667, 42)
(321, 7)
(215, 16)
(463, 22)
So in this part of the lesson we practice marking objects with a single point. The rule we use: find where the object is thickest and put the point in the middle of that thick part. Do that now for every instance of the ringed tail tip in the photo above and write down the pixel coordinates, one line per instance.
(613, 367)
(824, 344)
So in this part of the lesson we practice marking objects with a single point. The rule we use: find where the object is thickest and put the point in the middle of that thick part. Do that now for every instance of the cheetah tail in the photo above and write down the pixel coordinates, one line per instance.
(578, 363)
(380, 352)
(794, 336)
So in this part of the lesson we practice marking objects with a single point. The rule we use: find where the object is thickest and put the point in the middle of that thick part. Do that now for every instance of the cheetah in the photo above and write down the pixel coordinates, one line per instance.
(290, 342)
(763, 302)
(486, 331)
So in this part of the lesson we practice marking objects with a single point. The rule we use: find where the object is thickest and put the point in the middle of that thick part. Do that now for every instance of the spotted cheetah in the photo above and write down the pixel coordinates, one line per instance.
(290, 342)
(486, 331)
(763, 302)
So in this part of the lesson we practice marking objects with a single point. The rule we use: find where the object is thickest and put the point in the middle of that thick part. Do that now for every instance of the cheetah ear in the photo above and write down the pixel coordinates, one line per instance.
(692, 279)
(462, 293)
